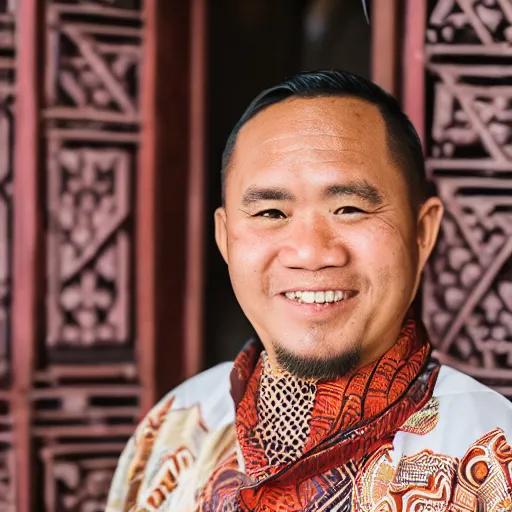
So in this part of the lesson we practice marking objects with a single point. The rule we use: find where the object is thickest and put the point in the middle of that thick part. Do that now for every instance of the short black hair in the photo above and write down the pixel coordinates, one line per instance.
(403, 141)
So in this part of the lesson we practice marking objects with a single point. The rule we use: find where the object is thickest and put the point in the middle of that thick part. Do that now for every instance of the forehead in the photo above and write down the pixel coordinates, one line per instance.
(307, 142)
(326, 123)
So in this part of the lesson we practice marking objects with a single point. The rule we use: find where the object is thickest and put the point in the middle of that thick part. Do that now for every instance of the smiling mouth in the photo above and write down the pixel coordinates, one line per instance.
(319, 297)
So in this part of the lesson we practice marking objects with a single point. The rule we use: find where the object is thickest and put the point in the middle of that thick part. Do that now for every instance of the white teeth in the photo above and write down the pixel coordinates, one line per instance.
(308, 297)
(320, 297)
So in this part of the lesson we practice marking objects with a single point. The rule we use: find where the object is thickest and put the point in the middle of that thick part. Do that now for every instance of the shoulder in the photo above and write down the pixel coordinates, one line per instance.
(467, 403)
(208, 391)
(465, 394)
(453, 382)
(465, 411)
(204, 385)
(174, 430)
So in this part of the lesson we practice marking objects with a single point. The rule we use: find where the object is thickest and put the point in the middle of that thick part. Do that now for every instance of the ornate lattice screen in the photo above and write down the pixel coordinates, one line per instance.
(458, 90)
(95, 115)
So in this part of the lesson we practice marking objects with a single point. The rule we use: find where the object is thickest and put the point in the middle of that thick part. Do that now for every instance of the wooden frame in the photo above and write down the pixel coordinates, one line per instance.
(168, 130)
(385, 57)
(27, 245)
(413, 63)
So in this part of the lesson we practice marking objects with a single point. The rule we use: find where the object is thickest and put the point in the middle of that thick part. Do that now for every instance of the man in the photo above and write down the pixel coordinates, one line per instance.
(326, 226)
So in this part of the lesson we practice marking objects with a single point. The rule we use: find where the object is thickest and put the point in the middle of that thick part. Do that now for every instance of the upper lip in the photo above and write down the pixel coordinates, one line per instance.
(317, 289)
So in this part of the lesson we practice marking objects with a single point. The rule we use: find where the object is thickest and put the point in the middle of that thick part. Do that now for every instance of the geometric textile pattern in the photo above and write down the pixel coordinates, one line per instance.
(468, 284)
(285, 404)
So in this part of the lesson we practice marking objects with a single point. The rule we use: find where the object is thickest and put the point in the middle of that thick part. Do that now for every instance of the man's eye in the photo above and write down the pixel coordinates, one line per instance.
(348, 210)
(271, 214)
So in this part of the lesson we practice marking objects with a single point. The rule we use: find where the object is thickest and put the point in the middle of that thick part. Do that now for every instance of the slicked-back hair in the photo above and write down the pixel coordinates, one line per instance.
(403, 142)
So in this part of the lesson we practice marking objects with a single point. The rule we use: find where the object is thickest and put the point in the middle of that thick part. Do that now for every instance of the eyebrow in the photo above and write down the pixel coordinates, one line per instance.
(361, 189)
(254, 194)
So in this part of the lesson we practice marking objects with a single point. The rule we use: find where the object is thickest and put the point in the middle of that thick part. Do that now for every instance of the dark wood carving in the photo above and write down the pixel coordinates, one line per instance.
(86, 188)
(92, 121)
(86, 397)
(468, 287)
(83, 417)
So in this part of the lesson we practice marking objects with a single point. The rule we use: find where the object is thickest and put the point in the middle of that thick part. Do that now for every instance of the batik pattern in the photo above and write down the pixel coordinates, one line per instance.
(178, 460)
(481, 481)
(352, 416)
(423, 421)
(144, 439)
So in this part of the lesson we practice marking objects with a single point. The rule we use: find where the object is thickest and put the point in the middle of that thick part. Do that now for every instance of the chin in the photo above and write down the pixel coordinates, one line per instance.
(312, 366)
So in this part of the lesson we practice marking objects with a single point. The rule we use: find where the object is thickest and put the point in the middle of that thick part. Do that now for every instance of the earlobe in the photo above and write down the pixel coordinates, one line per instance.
(429, 223)
(221, 234)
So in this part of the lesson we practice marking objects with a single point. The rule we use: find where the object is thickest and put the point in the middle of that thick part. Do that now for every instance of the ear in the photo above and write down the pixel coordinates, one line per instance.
(221, 233)
(429, 222)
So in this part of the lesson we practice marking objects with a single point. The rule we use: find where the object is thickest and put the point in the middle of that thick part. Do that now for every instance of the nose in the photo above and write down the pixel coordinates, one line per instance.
(313, 244)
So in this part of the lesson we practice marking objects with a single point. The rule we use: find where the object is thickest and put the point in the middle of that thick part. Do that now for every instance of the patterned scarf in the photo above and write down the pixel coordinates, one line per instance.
(348, 419)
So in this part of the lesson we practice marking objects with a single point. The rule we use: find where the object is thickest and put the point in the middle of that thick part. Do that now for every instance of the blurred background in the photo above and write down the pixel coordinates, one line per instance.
(113, 118)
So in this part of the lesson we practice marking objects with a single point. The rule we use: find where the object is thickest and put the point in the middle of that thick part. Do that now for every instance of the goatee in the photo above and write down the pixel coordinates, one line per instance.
(318, 368)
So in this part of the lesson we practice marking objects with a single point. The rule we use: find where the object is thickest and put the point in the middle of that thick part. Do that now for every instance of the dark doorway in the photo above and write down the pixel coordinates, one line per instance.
(252, 45)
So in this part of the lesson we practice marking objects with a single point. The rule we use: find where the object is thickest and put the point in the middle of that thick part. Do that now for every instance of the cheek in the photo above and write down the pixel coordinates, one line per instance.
(246, 245)
(384, 255)
(249, 254)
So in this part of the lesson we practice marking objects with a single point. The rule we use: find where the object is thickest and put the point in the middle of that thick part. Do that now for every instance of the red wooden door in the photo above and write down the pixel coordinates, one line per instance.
(101, 136)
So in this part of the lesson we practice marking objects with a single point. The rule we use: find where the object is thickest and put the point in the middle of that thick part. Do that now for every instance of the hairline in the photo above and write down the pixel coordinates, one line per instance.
(397, 158)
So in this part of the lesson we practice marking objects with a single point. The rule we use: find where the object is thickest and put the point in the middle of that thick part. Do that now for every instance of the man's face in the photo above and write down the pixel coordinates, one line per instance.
(323, 248)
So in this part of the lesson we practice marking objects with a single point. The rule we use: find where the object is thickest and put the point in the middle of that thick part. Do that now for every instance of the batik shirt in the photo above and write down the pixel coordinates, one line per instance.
(401, 434)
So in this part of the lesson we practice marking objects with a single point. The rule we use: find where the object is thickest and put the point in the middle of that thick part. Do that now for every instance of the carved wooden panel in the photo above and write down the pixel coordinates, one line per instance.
(7, 463)
(92, 117)
(82, 419)
(468, 286)
(79, 315)
(86, 397)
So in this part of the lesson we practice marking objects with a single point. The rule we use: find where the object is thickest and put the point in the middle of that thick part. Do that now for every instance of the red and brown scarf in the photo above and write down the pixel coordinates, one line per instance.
(352, 417)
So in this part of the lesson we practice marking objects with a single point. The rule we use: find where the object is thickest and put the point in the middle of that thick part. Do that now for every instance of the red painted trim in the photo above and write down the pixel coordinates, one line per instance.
(414, 64)
(28, 269)
(193, 349)
(384, 26)
(146, 215)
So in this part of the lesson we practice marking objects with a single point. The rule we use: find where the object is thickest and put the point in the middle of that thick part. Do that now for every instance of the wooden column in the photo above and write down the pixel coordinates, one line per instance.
(146, 214)
(194, 283)
(27, 247)
(385, 41)
(100, 234)
(170, 196)
(413, 64)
